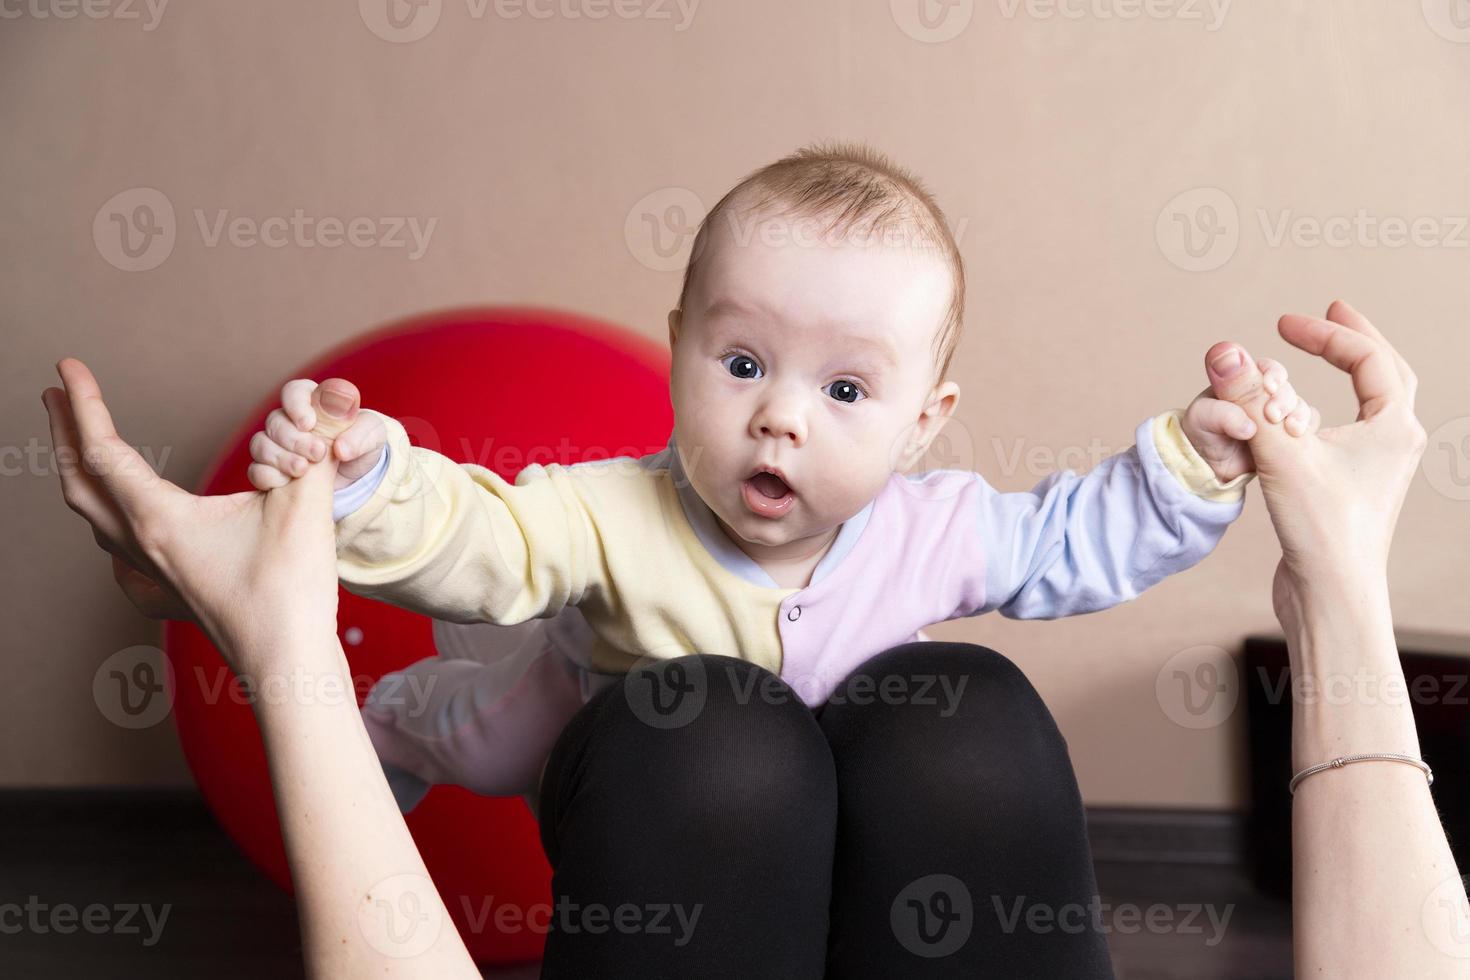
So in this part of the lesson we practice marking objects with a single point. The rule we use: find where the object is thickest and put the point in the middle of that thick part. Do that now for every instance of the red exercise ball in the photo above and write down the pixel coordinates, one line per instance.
(502, 387)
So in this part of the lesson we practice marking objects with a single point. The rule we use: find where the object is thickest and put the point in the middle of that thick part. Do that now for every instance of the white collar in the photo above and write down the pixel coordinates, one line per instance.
(717, 543)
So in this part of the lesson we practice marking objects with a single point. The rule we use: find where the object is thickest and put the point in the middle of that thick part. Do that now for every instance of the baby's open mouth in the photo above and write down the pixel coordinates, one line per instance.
(770, 485)
(766, 494)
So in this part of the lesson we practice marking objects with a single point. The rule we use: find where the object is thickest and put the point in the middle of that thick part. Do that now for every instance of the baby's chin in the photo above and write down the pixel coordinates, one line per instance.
(762, 532)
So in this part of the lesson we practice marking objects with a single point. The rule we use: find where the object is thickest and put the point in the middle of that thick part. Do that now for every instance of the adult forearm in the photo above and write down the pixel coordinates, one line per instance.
(1375, 889)
(367, 906)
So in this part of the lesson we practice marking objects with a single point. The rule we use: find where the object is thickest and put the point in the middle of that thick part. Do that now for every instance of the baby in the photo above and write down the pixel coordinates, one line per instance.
(819, 313)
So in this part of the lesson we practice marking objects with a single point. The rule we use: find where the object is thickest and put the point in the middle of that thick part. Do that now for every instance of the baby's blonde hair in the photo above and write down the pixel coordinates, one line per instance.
(859, 188)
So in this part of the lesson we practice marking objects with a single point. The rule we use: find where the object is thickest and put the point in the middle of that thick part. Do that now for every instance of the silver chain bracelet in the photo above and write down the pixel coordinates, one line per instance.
(1343, 760)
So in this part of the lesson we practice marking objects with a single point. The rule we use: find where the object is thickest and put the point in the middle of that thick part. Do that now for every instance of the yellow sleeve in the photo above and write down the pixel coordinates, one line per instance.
(458, 542)
(1185, 462)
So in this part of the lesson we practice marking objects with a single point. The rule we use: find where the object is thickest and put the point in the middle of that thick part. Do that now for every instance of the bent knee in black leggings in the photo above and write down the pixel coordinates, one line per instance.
(957, 805)
(701, 786)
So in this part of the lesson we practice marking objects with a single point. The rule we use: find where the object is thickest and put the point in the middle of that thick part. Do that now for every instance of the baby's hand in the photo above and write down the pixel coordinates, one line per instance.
(281, 451)
(1219, 429)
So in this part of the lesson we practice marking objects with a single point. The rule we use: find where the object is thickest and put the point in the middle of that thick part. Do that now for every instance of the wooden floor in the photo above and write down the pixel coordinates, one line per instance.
(226, 921)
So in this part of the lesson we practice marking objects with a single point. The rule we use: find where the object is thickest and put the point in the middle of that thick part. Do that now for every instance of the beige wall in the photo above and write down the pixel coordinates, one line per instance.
(1056, 144)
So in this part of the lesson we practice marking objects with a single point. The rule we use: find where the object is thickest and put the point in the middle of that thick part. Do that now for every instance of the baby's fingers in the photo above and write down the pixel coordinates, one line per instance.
(267, 452)
(365, 434)
(284, 433)
(1283, 401)
(1304, 420)
(1221, 421)
(265, 477)
(296, 400)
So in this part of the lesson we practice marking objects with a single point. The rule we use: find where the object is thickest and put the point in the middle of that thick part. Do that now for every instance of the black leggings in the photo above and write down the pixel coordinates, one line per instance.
(702, 822)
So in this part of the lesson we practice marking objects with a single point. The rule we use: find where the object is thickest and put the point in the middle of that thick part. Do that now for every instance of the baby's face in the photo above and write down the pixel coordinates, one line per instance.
(810, 356)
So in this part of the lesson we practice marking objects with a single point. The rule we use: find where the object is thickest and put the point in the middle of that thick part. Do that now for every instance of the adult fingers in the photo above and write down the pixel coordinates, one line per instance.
(1376, 380)
(123, 475)
(1340, 311)
(78, 488)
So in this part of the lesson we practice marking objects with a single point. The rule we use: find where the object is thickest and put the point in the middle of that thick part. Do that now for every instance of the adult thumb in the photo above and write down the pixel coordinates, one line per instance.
(1235, 377)
(336, 403)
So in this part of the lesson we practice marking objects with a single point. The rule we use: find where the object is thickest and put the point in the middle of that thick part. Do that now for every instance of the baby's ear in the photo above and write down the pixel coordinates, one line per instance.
(676, 319)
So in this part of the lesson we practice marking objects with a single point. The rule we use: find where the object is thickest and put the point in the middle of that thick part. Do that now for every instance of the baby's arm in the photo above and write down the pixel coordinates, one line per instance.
(460, 543)
(1076, 544)
(418, 530)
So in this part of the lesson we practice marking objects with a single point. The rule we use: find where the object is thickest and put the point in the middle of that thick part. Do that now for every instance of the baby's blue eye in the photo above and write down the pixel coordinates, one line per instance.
(847, 388)
(738, 358)
(744, 367)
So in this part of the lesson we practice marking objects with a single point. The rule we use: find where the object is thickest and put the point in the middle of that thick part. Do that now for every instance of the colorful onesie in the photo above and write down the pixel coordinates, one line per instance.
(547, 589)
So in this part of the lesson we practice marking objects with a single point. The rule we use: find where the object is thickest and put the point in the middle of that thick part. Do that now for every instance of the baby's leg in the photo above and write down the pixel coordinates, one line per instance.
(486, 724)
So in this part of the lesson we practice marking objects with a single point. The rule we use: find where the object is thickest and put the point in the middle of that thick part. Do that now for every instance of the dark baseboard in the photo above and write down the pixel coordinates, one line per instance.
(1166, 836)
(1123, 834)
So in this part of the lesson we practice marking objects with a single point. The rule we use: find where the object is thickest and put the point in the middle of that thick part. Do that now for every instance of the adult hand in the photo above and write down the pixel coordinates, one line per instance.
(1333, 494)
(241, 565)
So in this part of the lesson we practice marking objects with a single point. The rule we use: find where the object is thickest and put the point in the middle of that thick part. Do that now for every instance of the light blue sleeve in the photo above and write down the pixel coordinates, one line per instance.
(361, 490)
(1076, 544)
